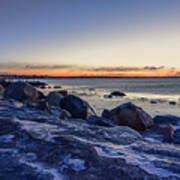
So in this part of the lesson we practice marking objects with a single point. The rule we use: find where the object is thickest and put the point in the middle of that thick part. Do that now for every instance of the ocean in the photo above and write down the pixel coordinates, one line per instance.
(153, 94)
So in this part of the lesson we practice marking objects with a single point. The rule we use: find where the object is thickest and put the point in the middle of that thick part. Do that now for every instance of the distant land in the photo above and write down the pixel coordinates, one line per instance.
(14, 76)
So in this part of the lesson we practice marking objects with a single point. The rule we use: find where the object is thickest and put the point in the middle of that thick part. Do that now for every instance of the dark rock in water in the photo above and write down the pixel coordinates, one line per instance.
(91, 89)
(21, 91)
(64, 115)
(153, 102)
(57, 87)
(117, 93)
(99, 121)
(166, 119)
(172, 102)
(54, 98)
(77, 107)
(177, 136)
(108, 96)
(63, 92)
(129, 115)
(37, 83)
(162, 132)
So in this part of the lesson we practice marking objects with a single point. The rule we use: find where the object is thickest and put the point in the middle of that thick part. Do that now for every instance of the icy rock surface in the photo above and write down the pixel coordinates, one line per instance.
(38, 145)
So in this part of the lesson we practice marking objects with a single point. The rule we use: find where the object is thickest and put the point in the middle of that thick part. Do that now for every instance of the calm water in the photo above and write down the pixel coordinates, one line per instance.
(161, 86)
(140, 91)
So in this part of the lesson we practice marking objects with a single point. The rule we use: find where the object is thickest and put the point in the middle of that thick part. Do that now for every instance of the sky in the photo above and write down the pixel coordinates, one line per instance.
(90, 37)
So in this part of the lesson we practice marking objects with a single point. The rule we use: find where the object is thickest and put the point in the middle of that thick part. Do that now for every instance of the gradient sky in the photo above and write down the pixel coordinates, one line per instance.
(88, 33)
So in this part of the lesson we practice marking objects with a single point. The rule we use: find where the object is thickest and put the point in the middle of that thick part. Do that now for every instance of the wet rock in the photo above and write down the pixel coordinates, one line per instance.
(21, 91)
(153, 102)
(37, 83)
(77, 107)
(64, 115)
(177, 136)
(108, 96)
(118, 93)
(129, 115)
(166, 119)
(99, 121)
(172, 102)
(54, 98)
(57, 87)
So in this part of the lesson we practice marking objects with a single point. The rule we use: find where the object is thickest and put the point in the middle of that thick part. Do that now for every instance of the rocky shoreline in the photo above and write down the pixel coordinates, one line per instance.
(59, 136)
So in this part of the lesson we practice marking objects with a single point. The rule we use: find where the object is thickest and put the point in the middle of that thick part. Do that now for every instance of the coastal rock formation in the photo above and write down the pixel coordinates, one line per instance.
(21, 91)
(117, 93)
(36, 145)
(77, 107)
(54, 98)
(129, 115)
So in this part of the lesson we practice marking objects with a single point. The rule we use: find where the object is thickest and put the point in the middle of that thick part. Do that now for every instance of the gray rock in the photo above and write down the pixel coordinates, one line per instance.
(77, 107)
(21, 91)
(54, 98)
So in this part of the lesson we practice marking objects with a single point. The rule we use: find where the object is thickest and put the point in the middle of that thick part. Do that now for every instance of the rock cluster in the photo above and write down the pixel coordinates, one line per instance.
(59, 136)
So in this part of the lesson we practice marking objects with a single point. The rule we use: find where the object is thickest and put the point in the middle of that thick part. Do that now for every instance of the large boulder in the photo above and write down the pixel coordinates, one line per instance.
(129, 115)
(77, 107)
(21, 91)
(54, 98)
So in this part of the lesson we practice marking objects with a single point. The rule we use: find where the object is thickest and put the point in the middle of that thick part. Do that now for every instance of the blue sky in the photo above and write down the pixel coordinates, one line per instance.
(92, 33)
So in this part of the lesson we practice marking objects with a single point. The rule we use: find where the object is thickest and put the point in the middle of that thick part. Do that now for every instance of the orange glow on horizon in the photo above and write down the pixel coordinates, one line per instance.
(91, 74)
